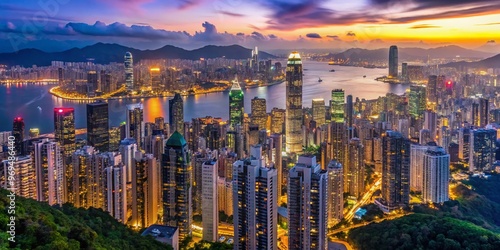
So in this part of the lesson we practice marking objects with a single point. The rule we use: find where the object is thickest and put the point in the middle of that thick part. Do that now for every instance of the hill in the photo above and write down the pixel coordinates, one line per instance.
(40, 226)
(492, 62)
(104, 53)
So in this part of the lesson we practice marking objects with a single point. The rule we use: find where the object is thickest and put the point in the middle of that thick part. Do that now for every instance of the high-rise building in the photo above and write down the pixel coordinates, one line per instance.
(134, 125)
(278, 121)
(128, 147)
(64, 129)
(335, 193)
(259, 114)
(145, 197)
(84, 193)
(307, 205)
(156, 81)
(18, 133)
(129, 71)
(34, 133)
(355, 179)
(176, 114)
(482, 149)
(480, 113)
(277, 159)
(294, 103)
(349, 113)
(395, 170)
(23, 176)
(464, 140)
(210, 200)
(98, 126)
(432, 85)
(393, 62)
(338, 141)
(177, 183)
(436, 175)
(255, 203)
(430, 123)
(50, 175)
(417, 166)
(114, 139)
(225, 195)
(236, 104)
(319, 111)
(116, 191)
(337, 105)
(404, 72)
(417, 101)
(92, 82)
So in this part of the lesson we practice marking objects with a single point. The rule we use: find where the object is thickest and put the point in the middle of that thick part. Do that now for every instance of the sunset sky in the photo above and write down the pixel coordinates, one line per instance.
(271, 24)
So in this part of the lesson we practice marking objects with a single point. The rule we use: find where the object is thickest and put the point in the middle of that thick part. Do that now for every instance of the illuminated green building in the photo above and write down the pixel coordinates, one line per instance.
(337, 105)
(236, 104)
(417, 101)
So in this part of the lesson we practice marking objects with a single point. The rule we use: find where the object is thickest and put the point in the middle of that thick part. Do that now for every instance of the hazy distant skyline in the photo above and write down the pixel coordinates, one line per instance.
(54, 25)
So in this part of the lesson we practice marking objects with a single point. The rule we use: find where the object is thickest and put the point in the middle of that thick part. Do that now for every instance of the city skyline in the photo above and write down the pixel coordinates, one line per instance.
(269, 24)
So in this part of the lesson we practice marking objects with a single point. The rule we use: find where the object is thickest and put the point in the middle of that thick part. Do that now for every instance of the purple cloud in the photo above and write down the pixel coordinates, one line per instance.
(313, 35)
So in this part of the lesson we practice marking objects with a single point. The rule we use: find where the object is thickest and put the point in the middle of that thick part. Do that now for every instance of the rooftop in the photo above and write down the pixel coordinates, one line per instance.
(161, 233)
(176, 139)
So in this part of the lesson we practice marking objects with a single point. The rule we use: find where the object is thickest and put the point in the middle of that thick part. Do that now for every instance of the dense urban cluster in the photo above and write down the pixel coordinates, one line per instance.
(281, 180)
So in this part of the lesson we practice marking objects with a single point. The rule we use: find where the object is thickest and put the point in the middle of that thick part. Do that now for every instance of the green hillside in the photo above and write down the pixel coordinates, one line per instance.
(40, 226)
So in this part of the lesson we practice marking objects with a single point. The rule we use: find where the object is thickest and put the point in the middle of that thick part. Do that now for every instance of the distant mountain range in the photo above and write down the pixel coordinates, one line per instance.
(104, 53)
(409, 54)
(492, 62)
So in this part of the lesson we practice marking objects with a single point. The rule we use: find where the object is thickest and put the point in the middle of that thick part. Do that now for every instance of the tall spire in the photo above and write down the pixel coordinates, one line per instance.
(236, 84)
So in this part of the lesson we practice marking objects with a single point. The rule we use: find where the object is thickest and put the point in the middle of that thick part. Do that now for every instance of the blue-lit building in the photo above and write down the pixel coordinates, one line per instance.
(482, 149)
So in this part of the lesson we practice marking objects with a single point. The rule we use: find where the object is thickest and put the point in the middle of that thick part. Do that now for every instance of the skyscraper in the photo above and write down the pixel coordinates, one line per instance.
(482, 149)
(145, 195)
(337, 105)
(259, 114)
(98, 126)
(417, 101)
(335, 193)
(393, 61)
(355, 179)
(307, 205)
(464, 140)
(18, 133)
(430, 123)
(176, 182)
(129, 71)
(84, 174)
(176, 114)
(64, 129)
(294, 103)
(92, 82)
(236, 104)
(210, 200)
(480, 113)
(49, 169)
(115, 191)
(255, 203)
(24, 176)
(319, 111)
(395, 170)
(277, 120)
(436, 175)
(432, 85)
(134, 125)
(417, 166)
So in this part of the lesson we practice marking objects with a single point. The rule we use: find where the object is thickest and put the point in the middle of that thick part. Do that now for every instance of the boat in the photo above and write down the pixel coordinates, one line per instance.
(320, 80)
(332, 70)
(364, 76)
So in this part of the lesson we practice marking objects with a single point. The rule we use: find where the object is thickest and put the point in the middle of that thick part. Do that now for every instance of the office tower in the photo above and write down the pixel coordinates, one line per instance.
(18, 133)
(176, 182)
(277, 121)
(464, 140)
(277, 159)
(49, 169)
(84, 176)
(404, 127)
(160, 123)
(92, 82)
(337, 105)
(198, 159)
(259, 114)
(355, 178)
(134, 125)
(436, 175)
(210, 201)
(417, 166)
(482, 149)
(21, 180)
(176, 113)
(432, 89)
(404, 72)
(480, 113)
(430, 123)
(255, 59)
(129, 71)
(393, 62)
(98, 126)
(116, 192)
(349, 110)
(225, 195)
(107, 84)
(236, 104)
(417, 103)
(294, 103)
(114, 139)
(395, 170)
(145, 195)
(338, 140)
(127, 149)
(307, 205)
(255, 203)
(60, 76)
(319, 111)
(335, 193)
(444, 137)
(64, 129)
(156, 81)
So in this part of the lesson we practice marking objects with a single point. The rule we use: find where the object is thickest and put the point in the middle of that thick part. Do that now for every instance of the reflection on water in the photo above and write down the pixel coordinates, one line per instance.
(23, 100)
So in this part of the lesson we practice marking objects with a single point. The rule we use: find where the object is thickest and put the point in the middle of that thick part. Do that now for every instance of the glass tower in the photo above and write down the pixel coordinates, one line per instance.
(337, 105)
(129, 71)
(236, 104)
(98, 125)
(294, 103)
(393, 62)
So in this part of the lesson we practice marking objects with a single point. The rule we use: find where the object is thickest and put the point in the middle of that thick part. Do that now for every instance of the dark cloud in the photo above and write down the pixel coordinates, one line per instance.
(272, 36)
(424, 26)
(313, 35)
(121, 30)
(334, 37)
(491, 42)
(231, 13)
(378, 40)
(350, 33)
(240, 34)
(258, 36)
(185, 4)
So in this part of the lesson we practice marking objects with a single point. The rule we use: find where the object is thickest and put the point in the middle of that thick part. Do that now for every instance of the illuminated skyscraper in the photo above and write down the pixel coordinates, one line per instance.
(432, 86)
(210, 200)
(98, 126)
(49, 169)
(337, 105)
(23, 174)
(134, 127)
(156, 82)
(335, 193)
(319, 111)
(64, 129)
(236, 104)
(177, 184)
(115, 192)
(482, 149)
(393, 62)
(92, 82)
(436, 175)
(294, 103)
(176, 114)
(480, 113)
(18, 133)
(355, 179)
(417, 101)
(430, 123)
(259, 114)
(84, 193)
(129, 71)
(145, 195)
(277, 120)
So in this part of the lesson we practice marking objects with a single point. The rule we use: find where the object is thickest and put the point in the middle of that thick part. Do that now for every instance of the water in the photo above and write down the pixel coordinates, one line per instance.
(23, 100)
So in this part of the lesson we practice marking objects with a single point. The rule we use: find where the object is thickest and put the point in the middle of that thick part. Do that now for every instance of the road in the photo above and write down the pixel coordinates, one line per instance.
(392, 217)
(364, 200)
(339, 245)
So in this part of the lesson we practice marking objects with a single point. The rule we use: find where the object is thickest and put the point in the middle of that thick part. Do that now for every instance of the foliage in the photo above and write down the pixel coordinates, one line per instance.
(40, 226)
(205, 245)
